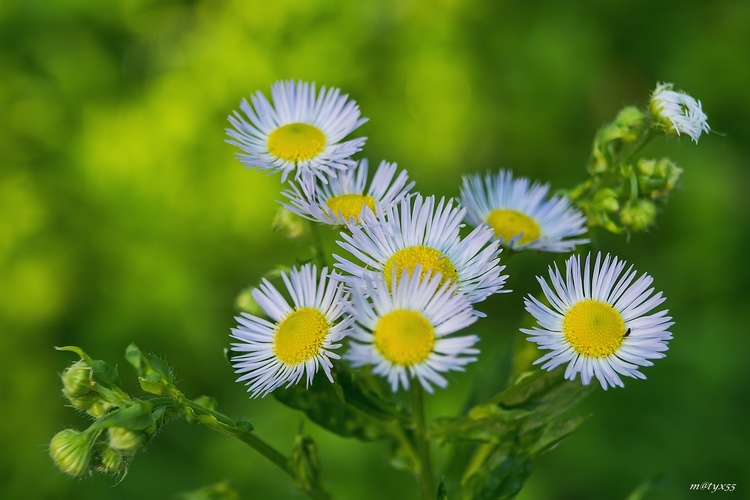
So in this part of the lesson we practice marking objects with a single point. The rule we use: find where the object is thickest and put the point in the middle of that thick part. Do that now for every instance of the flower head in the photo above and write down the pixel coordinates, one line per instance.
(519, 214)
(403, 333)
(299, 339)
(423, 234)
(72, 451)
(344, 197)
(300, 131)
(597, 321)
(677, 113)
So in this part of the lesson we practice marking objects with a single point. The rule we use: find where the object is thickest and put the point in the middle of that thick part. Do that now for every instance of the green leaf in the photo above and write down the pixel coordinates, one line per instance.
(136, 416)
(206, 402)
(484, 423)
(325, 404)
(104, 373)
(304, 462)
(549, 435)
(361, 390)
(501, 475)
(154, 374)
(147, 364)
(521, 422)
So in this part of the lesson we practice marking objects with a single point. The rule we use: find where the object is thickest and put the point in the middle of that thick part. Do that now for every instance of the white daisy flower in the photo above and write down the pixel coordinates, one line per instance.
(345, 196)
(299, 339)
(403, 334)
(520, 215)
(677, 113)
(597, 321)
(300, 131)
(426, 234)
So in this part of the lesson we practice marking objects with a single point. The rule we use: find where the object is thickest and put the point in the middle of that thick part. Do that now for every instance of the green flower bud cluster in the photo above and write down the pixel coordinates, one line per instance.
(122, 425)
(78, 453)
(625, 191)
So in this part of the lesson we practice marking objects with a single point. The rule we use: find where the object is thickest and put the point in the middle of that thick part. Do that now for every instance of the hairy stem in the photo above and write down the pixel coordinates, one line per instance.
(424, 474)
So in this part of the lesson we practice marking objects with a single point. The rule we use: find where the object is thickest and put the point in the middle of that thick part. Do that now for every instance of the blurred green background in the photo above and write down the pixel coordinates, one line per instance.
(124, 217)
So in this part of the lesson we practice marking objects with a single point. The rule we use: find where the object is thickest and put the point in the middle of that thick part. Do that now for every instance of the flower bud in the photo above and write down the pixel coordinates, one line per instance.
(645, 167)
(606, 199)
(677, 113)
(627, 126)
(670, 173)
(126, 441)
(638, 215)
(290, 225)
(93, 404)
(111, 461)
(657, 179)
(77, 379)
(71, 451)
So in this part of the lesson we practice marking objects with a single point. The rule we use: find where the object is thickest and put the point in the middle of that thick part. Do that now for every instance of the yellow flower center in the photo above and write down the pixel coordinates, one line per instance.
(300, 336)
(431, 259)
(404, 337)
(593, 328)
(350, 205)
(510, 223)
(296, 142)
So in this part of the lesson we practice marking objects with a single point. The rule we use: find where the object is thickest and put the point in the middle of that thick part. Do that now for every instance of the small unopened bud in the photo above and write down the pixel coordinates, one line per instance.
(638, 215)
(670, 173)
(290, 225)
(71, 450)
(657, 179)
(628, 125)
(645, 167)
(606, 200)
(77, 379)
(93, 404)
(111, 461)
(126, 441)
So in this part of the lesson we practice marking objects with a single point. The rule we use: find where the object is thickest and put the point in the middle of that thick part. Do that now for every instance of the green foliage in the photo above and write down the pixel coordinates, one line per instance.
(512, 429)
(124, 217)
(327, 405)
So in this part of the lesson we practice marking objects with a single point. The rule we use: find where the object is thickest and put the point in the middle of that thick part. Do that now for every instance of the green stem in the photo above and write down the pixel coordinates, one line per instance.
(226, 425)
(649, 135)
(424, 474)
